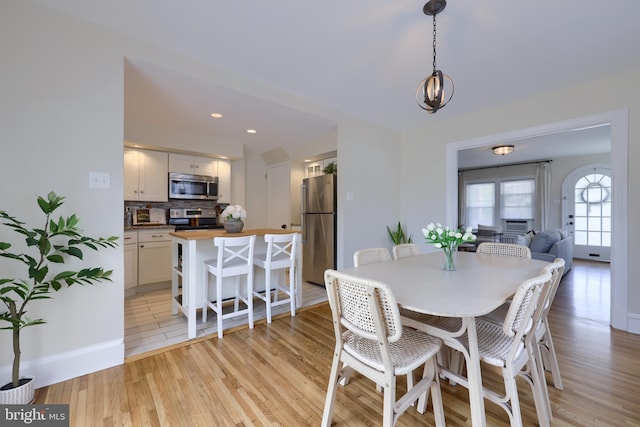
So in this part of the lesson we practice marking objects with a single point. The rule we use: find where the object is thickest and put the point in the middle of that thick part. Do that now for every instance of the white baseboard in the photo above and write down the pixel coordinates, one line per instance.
(61, 367)
(633, 323)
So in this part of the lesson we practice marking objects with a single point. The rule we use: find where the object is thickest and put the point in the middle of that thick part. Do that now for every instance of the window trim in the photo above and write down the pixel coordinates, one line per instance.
(497, 208)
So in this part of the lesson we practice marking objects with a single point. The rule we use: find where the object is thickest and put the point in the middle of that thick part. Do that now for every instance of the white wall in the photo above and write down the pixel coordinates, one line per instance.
(61, 115)
(368, 170)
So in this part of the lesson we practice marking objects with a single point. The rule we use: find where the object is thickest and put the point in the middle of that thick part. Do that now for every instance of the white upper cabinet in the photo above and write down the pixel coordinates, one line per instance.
(223, 173)
(313, 169)
(317, 168)
(194, 165)
(145, 175)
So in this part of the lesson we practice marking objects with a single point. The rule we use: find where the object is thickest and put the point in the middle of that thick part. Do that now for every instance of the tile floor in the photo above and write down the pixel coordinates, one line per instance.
(149, 324)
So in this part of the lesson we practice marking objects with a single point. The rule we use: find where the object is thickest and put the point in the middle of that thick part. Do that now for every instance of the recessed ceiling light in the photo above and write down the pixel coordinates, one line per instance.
(251, 131)
(216, 115)
(223, 157)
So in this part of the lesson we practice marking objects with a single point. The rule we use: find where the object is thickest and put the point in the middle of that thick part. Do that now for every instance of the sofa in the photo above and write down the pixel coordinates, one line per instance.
(548, 245)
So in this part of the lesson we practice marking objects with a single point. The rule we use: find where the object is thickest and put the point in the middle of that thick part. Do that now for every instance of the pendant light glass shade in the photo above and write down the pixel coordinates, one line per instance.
(502, 150)
(434, 92)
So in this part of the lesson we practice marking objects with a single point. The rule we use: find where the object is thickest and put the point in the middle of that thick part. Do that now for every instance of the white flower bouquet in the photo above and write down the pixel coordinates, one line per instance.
(448, 240)
(234, 212)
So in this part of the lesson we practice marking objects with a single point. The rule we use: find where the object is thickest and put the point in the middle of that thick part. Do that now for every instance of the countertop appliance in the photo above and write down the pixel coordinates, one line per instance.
(194, 219)
(318, 227)
(149, 216)
(198, 187)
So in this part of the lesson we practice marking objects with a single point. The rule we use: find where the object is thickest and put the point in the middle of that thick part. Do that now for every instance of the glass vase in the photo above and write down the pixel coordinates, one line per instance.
(449, 263)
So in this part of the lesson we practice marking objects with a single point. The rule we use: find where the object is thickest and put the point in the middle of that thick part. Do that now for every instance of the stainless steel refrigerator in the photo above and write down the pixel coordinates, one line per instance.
(318, 227)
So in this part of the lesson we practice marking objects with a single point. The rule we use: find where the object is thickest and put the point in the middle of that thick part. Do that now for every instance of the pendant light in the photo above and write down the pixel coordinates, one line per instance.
(434, 92)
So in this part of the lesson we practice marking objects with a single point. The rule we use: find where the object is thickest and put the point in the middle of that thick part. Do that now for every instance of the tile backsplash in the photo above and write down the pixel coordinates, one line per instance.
(171, 204)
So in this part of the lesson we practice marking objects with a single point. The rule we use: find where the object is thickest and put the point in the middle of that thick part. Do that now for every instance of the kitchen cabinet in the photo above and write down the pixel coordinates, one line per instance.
(313, 169)
(194, 165)
(154, 256)
(145, 175)
(316, 168)
(197, 165)
(224, 180)
(130, 261)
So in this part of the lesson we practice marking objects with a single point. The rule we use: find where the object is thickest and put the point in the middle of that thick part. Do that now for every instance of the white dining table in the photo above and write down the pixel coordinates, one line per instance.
(480, 284)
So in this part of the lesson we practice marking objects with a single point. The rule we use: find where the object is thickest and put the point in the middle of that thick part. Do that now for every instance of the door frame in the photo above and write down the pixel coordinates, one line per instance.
(619, 122)
(285, 193)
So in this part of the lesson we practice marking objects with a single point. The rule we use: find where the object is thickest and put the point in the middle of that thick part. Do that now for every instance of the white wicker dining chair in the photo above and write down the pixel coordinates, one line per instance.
(542, 345)
(507, 249)
(370, 256)
(543, 333)
(371, 340)
(234, 259)
(279, 258)
(405, 249)
(511, 347)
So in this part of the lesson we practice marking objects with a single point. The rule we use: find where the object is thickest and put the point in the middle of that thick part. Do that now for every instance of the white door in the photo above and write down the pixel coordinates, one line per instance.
(588, 212)
(278, 196)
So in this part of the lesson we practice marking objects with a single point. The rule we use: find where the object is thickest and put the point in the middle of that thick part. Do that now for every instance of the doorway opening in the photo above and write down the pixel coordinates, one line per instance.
(619, 122)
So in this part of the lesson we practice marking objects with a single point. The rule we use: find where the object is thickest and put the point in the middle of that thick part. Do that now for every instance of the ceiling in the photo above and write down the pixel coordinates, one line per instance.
(361, 58)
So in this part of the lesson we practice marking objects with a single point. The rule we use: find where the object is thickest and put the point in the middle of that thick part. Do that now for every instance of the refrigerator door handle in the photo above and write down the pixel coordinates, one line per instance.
(303, 211)
(303, 199)
(304, 228)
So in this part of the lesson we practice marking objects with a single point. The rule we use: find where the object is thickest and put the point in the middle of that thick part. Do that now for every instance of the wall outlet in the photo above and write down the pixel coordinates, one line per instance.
(100, 180)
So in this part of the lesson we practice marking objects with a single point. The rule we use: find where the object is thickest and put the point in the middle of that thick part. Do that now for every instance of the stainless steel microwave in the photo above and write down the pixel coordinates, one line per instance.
(198, 187)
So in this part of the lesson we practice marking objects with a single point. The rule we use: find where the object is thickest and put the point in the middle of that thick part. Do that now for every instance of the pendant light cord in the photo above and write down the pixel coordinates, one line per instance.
(434, 43)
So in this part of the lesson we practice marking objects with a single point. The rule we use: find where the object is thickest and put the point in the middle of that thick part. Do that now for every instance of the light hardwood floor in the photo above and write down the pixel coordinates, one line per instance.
(277, 375)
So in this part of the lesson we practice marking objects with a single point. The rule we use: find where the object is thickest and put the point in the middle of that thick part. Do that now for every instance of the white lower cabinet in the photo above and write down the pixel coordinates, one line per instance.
(154, 256)
(130, 260)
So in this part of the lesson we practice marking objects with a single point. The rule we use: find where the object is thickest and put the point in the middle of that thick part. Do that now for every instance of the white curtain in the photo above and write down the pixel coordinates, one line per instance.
(462, 200)
(543, 194)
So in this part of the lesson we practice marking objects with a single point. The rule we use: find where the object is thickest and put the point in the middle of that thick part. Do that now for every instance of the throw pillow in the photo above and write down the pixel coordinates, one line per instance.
(523, 239)
(543, 241)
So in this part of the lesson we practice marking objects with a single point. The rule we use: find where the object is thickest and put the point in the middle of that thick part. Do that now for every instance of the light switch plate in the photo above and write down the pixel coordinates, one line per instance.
(100, 180)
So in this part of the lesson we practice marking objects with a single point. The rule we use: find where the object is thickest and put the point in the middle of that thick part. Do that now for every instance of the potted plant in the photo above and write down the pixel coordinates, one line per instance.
(233, 216)
(331, 168)
(53, 243)
(398, 235)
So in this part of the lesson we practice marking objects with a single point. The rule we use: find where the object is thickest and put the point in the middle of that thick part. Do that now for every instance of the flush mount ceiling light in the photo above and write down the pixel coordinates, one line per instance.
(501, 150)
(431, 94)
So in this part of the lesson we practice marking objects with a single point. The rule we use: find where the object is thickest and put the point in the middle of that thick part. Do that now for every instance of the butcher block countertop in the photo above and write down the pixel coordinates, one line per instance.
(210, 234)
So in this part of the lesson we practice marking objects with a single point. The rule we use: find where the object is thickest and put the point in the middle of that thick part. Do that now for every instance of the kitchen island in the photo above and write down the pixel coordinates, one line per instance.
(191, 248)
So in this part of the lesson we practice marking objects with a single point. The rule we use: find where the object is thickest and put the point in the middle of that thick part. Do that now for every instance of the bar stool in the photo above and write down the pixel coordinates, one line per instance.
(280, 256)
(234, 259)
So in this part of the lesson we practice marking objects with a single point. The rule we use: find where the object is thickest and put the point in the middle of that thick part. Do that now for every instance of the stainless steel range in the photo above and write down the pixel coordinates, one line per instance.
(194, 219)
